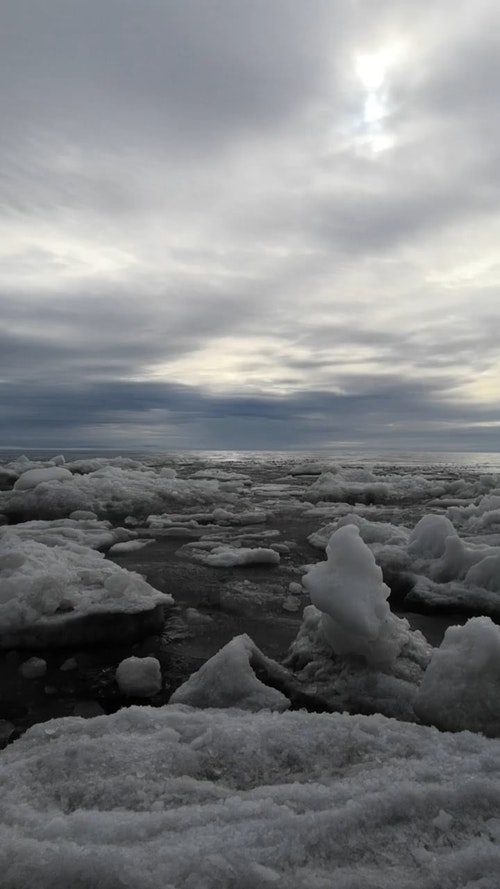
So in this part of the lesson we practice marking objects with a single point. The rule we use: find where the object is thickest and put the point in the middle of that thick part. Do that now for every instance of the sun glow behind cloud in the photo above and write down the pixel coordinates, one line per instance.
(373, 71)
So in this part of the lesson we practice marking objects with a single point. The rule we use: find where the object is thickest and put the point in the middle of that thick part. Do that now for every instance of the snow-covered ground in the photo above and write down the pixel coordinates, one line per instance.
(182, 797)
(200, 792)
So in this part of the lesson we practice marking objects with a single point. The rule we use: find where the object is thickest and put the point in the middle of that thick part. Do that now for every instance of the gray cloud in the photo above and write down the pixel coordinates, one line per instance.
(194, 192)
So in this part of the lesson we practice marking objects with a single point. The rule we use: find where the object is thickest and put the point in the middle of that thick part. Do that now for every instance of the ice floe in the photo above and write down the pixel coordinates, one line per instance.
(55, 596)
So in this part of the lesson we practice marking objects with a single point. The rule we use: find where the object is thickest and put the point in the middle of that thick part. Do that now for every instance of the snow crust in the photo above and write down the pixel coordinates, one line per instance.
(157, 798)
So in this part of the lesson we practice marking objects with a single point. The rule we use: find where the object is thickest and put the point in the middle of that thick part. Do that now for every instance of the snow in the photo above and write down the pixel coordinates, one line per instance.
(139, 677)
(157, 798)
(460, 688)
(49, 591)
(228, 680)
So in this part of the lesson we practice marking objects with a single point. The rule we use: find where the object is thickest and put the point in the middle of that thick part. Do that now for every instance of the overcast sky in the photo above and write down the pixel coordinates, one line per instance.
(250, 223)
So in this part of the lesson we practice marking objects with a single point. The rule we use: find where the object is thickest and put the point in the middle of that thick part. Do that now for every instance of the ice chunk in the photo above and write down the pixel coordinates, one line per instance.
(33, 668)
(428, 538)
(58, 595)
(228, 680)
(460, 686)
(348, 589)
(229, 556)
(139, 677)
(33, 477)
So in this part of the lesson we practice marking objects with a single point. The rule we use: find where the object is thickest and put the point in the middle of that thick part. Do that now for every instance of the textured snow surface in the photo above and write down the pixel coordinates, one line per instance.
(174, 797)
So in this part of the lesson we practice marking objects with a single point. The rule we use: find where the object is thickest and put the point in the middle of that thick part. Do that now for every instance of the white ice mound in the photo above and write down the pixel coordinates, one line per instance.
(460, 688)
(348, 589)
(163, 797)
(429, 536)
(33, 477)
(228, 680)
(48, 594)
(139, 676)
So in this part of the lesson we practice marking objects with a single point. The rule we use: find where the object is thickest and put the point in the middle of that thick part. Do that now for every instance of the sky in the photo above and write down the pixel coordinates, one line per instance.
(250, 224)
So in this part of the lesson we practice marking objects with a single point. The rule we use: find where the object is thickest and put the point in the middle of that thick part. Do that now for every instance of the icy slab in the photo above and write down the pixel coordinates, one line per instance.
(128, 546)
(227, 556)
(228, 680)
(157, 798)
(349, 591)
(71, 533)
(58, 596)
(139, 677)
(460, 688)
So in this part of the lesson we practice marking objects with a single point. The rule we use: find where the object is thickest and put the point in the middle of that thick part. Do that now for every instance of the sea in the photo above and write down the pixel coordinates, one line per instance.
(485, 461)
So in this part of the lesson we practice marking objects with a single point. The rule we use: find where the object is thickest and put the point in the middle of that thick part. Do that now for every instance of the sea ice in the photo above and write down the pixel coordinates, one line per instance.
(58, 595)
(349, 591)
(460, 688)
(228, 680)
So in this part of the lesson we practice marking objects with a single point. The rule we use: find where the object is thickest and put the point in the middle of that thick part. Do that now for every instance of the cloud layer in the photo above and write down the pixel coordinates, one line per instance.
(249, 225)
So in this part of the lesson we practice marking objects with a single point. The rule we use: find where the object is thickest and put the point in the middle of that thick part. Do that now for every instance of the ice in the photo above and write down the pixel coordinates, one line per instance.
(128, 546)
(71, 533)
(110, 491)
(347, 682)
(228, 680)
(157, 798)
(33, 477)
(370, 532)
(349, 591)
(33, 668)
(359, 485)
(139, 677)
(428, 538)
(48, 594)
(460, 688)
(229, 556)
